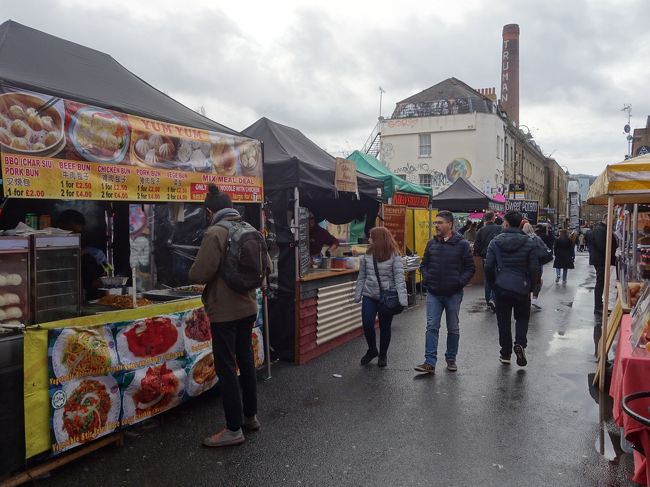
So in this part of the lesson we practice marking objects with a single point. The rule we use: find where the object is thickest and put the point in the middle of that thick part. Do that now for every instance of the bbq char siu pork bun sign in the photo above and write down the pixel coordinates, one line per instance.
(106, 377)
(55, 148)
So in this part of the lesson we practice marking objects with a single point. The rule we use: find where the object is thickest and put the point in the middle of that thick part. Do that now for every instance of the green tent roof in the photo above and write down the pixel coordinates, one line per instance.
(371, 166)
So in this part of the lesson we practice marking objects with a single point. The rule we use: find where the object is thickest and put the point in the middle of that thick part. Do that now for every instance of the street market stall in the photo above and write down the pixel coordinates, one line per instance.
(405, 213)
(79, 131)
(627, 182)
(311, 301)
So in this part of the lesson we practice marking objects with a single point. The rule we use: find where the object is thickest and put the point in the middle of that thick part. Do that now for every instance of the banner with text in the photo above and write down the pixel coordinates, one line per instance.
(395, 223)
(60, 149)
(529, 209)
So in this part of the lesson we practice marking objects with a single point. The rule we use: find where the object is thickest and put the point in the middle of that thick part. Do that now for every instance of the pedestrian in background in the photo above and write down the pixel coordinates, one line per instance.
(232, 316)
(544, 256)
(470, 233)
(564, 251)
(511, 266)
(447, 267)
(596, 243)
(384, 253)
(483, 238)
(581, 242)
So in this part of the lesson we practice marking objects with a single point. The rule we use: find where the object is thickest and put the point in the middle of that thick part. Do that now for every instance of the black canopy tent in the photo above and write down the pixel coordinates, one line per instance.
(465, 197)
(34, 60)
(295, 167)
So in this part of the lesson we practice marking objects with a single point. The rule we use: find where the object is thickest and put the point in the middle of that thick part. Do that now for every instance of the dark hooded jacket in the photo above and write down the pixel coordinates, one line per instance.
(447, 267)
(484, 236)
(596, 242)
(518, 252)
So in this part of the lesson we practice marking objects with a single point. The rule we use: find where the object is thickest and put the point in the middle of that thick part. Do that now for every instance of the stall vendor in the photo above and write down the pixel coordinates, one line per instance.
(93, 259)
(318, 237)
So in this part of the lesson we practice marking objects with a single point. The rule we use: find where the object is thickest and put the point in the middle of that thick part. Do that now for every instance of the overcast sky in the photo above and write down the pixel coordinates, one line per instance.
(317, 65)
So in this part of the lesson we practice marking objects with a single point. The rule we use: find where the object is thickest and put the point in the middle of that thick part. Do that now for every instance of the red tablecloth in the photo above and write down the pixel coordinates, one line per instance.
(631, 374)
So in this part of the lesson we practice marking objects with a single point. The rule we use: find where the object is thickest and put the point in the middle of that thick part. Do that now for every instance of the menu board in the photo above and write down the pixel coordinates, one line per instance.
(529, 209)
(303, 240)
(60, 149)
(395, 222)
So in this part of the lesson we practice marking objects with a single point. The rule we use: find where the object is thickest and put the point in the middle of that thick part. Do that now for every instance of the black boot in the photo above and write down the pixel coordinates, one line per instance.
(370, 354)
(382, 361)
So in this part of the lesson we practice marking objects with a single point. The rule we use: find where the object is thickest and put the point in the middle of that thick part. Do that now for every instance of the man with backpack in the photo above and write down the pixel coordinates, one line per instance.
(232, 262)
(511, 267)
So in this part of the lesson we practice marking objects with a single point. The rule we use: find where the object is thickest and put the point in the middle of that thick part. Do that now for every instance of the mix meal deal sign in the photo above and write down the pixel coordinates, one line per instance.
(60, 149)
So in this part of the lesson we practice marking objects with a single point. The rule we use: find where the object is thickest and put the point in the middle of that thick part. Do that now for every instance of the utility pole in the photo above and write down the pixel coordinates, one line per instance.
(381, 92)
(627, 107)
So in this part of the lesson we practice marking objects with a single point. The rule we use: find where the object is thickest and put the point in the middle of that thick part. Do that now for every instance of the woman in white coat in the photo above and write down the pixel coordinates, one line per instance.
(383, 249)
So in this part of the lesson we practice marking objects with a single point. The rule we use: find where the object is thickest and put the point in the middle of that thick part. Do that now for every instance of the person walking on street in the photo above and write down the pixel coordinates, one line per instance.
(596, 244)
(470, 233)
(232, 315)
(544, 256)
(383, 253)
(542, 232)
(511, 266)
(581, 242)
(564, 251)
(447, 267)
(483, 238)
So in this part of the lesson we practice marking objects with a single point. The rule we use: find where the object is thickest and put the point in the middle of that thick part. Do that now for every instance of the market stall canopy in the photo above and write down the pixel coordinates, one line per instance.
(626, 182)
(292, 160)
(34, 60)
(464, 196)
(371, 166)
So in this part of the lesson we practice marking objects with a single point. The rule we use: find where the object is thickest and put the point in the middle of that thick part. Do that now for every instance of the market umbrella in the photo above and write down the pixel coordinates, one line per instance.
(465, 197)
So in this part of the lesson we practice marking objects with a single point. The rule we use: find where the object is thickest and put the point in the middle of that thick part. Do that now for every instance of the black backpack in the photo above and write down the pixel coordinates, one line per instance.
(245, 263)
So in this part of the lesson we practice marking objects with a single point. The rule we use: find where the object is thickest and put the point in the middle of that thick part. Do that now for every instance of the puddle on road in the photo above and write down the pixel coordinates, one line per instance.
(574, 339)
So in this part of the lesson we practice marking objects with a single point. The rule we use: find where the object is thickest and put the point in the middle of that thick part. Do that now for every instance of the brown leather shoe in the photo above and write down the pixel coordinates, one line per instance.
(425, 368)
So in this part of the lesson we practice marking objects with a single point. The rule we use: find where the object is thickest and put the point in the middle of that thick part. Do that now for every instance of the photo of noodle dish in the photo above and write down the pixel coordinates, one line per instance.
(154, 389)
(196, 326)
(202, 374)
(149, 337)
(83, 352)
(92, 404)
(99, 135)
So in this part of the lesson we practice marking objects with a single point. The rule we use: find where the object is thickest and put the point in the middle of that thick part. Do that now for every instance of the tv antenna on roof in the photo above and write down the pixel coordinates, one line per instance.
(627, 107)
(381, 92)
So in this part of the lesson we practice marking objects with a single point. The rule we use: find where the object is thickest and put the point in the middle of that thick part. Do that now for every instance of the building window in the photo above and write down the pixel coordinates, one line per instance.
(425, 180)
(425, 145)
(402, 176)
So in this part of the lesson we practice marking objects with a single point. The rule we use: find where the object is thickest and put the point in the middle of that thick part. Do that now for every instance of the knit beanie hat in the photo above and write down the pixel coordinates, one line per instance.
(215, 200)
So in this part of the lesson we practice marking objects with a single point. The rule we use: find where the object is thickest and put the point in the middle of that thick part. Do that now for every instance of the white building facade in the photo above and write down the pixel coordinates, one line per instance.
(446, 132)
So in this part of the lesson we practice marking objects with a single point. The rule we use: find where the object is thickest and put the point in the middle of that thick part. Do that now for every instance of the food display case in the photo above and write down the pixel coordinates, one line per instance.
(56, 277)
(14, 280)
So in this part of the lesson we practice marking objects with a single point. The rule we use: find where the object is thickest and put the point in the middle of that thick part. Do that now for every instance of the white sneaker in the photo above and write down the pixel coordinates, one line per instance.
(533, 303)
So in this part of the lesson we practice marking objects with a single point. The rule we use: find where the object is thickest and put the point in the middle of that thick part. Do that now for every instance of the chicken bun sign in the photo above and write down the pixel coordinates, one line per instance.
(60, 149)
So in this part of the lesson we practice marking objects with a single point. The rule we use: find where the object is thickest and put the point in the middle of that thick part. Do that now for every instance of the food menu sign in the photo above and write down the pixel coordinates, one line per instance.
(395, 222)
(106, 377)
(60, 149)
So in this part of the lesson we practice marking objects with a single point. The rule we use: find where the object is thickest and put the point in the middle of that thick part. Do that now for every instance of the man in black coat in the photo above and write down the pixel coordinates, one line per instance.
(596, 243)
(511, 266)
(447, 267)
(483, 239)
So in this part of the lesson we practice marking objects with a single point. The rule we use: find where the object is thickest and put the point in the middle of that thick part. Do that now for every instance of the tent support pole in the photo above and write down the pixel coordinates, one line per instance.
(296, 292)
(265, 305)
(635, 235)
(605, 317)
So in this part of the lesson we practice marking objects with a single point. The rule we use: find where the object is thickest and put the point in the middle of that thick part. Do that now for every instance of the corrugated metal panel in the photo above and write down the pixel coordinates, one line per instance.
(337, 312)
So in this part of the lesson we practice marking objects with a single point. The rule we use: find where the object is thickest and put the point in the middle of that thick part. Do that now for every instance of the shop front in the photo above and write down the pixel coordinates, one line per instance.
(101, 218)
(311, 297)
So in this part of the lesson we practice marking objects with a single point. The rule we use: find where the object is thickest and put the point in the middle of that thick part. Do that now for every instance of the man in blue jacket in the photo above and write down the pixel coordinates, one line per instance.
(511, 267)
(447, 267)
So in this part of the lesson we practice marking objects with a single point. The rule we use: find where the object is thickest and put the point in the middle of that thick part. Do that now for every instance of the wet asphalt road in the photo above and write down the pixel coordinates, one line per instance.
(487, 424)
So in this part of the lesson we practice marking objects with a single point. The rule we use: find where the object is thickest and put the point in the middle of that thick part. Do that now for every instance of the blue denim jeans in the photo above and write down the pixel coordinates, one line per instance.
(435, 306)
(370, 310)
(564, 273)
